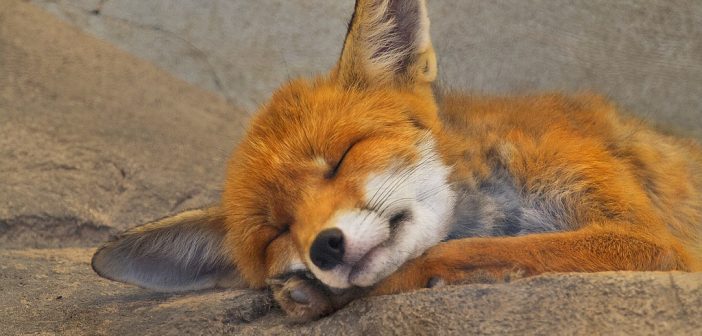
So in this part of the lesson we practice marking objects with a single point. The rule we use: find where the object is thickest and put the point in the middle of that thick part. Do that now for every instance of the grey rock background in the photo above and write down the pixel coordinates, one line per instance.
(646, 55)
(94, 140)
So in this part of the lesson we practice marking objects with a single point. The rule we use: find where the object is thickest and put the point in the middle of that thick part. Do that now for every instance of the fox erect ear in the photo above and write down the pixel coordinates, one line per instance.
(177, 253)
(388, 43)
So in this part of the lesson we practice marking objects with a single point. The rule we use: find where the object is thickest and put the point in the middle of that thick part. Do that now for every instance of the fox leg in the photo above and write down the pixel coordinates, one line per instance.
(498, 259)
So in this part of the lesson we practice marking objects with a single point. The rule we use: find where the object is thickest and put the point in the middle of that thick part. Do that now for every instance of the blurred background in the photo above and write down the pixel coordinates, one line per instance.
(646, 55)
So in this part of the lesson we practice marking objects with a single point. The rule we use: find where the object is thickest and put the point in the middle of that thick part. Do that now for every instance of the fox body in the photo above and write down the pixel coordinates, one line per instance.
(369, 180)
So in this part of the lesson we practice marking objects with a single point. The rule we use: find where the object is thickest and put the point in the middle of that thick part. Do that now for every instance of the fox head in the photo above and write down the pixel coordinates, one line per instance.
(339, 175)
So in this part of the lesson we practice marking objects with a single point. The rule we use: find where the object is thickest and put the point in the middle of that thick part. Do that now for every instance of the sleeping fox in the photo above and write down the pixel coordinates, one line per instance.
(369, 180)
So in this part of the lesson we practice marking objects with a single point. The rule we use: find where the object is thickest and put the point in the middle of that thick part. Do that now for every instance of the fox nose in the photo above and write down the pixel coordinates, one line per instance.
(327, 250)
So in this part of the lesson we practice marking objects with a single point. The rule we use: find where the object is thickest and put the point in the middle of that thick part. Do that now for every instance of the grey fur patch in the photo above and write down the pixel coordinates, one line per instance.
(496, 207)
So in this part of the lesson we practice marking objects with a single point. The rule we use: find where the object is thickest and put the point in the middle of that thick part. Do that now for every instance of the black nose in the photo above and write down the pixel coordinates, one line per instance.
(328, 249)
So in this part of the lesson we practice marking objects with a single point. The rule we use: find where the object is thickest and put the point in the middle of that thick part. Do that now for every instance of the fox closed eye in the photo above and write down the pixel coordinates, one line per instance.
(334, 171)
(282, 232)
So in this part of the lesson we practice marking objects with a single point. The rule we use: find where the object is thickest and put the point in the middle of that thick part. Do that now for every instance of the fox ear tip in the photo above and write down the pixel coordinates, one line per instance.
(96, 268)
(99, 262)
(94, 260)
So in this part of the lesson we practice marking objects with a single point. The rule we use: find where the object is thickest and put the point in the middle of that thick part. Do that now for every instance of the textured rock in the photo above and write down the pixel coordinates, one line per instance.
(93, 140)
(54, 291)
(646, 55)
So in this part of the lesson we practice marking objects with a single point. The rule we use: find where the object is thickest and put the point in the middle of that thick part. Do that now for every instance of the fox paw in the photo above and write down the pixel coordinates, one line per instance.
(301, 296)
(304, 298)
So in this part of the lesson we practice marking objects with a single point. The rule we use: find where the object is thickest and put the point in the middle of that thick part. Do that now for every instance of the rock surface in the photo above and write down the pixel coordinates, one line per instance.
(54, 291)
(93, 140)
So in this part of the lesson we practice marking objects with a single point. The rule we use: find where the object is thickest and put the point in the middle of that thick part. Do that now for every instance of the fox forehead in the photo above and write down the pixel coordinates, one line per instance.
(319, 113)
(309, 123)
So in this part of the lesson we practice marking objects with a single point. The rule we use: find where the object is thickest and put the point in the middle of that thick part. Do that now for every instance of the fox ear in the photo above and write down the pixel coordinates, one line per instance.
(177, 253)
(388, 43)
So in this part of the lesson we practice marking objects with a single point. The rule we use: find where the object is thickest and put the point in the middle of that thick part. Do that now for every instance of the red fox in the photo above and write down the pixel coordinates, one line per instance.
(369, 180)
